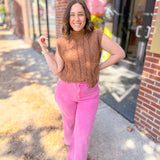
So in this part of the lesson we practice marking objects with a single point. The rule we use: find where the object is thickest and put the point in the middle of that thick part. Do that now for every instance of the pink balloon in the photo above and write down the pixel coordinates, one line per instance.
(96, 7)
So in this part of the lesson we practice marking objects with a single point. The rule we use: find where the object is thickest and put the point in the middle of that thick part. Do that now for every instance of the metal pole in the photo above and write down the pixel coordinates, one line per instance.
(39, 21)
(47, 24)
(129, 25)
(33, 26)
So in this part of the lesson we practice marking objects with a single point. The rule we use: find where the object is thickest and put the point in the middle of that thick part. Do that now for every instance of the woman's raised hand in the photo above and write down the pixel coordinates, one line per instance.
(42, 42)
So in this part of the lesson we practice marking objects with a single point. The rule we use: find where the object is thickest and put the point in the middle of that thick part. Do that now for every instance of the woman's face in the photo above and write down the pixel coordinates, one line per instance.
(77, 18)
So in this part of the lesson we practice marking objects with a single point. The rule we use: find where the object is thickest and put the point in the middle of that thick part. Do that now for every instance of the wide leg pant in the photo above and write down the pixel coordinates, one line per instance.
(78, 104)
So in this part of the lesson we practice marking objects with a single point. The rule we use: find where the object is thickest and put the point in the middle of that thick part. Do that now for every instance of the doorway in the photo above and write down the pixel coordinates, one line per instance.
(135, 22)
(131, 28)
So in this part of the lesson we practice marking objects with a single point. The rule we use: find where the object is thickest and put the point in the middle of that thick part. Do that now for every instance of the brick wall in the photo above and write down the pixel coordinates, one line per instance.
(60, 9)
(21, 21)
(147, 115)
(17, 9)
(19, 29)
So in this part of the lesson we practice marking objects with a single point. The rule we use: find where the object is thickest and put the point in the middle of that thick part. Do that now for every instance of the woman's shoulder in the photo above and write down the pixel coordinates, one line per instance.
(60, 40)
(98, 31)
(97, 34)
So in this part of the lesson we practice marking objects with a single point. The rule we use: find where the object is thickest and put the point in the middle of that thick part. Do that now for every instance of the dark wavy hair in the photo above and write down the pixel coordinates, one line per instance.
(66, 28)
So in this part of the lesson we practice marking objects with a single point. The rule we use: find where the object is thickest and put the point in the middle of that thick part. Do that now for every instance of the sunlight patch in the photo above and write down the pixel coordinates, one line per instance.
(130, 144)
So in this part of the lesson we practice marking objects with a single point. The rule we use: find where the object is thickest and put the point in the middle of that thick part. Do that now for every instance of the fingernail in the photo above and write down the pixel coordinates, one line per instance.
(43, 39)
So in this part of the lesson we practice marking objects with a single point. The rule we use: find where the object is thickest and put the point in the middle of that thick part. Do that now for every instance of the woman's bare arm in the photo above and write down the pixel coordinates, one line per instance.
(54, 61)
(116, 52)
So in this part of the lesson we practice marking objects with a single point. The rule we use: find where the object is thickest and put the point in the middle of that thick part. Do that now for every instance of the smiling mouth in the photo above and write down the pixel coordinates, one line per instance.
(77, 24)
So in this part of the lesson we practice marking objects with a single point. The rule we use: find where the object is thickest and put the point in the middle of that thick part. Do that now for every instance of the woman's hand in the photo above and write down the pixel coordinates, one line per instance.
(42, 42)
(54, 61)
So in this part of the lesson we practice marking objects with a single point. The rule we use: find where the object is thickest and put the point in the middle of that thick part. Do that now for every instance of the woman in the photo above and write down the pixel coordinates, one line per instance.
(76, 63)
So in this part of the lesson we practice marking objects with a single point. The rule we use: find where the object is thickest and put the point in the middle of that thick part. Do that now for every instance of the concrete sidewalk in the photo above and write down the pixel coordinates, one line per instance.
(31, 125)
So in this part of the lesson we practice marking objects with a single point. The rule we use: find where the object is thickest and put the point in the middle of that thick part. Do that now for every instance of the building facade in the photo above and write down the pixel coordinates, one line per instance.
(147, 115)
(30, 19)
(130, 23)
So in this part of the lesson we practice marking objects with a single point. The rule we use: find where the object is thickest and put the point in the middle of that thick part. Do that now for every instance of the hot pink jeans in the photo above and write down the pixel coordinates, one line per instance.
(78, 104)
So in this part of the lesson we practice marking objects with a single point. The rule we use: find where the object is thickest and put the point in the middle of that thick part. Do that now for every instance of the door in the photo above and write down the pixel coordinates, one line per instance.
(135, 28)
(142, 33)
(131, 27)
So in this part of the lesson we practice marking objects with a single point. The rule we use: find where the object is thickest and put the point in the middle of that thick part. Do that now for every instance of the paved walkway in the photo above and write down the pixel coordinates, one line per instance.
(30, 121)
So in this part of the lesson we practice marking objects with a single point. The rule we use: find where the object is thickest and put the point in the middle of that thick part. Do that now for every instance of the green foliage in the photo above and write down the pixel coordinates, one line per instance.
(2, 10)
(2, 13)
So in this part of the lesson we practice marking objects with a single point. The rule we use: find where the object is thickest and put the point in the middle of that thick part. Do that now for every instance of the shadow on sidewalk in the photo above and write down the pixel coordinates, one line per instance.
(27, 144)
(23, 67)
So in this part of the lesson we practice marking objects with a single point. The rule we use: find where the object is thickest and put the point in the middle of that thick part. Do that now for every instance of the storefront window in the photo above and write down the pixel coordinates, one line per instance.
(52, 23)
(43, 19)
(102, 16)
(30, 19)
(10, 4)
(35, 18)
(138, 14)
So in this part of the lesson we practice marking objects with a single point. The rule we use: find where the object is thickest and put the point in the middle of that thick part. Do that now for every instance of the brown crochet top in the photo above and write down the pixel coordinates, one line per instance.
(81, 53)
